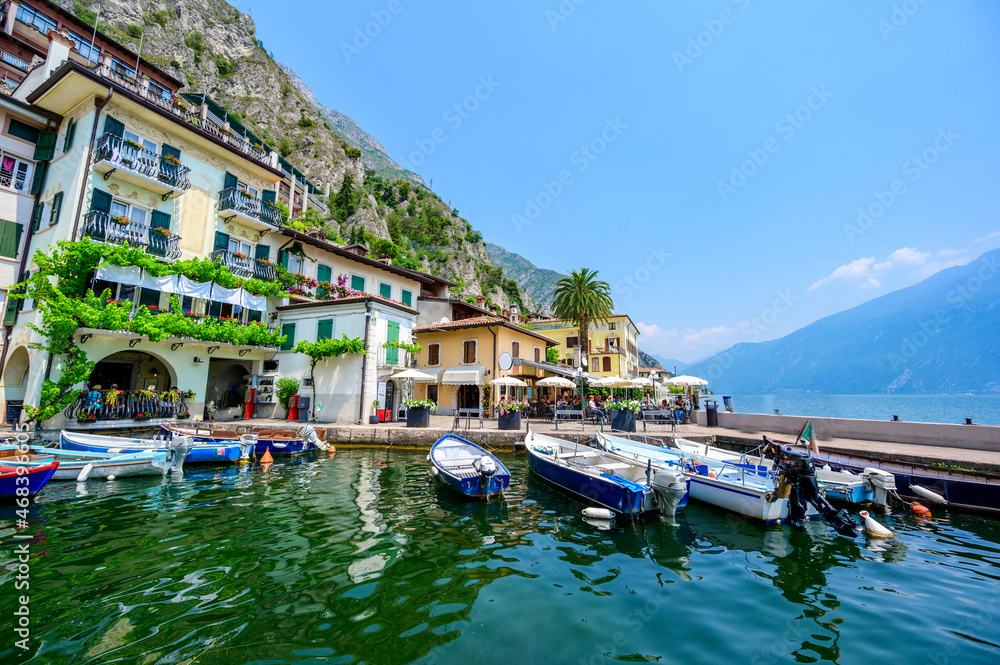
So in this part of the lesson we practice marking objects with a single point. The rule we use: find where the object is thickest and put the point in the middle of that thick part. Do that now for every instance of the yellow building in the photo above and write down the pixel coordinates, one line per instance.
(613, 345)
(463, 356)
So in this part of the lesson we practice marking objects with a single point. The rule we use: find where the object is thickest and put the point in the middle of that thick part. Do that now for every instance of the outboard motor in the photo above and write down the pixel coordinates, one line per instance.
(882, 483)
(796, 468)
(179, 448)
(309, 436)
(670, 488)
(247, 443)
(487, 468)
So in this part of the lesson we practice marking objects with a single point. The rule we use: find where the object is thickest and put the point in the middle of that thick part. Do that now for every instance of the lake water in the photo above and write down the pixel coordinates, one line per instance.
(358, 558)
(983, 409)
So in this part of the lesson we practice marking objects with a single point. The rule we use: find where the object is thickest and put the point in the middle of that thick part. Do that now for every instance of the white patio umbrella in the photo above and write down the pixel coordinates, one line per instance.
(556, 382)
(508, 381)
(685, 380)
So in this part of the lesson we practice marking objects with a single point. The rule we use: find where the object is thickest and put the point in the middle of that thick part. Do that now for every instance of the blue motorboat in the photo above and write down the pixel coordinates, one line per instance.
(34, 478)
(200, 453)
(80, 465)
(628, 488)
(466, 468)
(278, 442)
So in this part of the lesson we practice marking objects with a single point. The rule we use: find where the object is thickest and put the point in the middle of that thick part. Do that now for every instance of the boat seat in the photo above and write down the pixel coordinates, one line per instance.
(583, 453)
(457, 462)
(612, 466)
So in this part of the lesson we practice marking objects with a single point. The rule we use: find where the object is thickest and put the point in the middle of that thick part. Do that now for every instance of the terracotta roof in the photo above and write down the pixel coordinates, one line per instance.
(343, 301)
(478, 321)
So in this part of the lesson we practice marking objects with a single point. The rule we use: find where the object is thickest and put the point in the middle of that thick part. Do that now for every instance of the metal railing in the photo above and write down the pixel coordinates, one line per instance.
(12, 180)
(102, 226)
(395, 358)
(100, 405)
(11, 59)
(244, 203)
(139, 160)
(246, 267)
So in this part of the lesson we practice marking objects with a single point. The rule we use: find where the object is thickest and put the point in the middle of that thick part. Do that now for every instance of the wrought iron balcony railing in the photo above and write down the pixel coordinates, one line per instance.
(102, 226)
(395, 358)
(245, 266)
(246, 205)
(98, 405)
(127, 156)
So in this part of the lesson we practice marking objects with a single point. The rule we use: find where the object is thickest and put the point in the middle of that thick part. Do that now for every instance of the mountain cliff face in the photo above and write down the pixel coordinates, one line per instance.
(937, 336)
(538, 283)
(213, 47)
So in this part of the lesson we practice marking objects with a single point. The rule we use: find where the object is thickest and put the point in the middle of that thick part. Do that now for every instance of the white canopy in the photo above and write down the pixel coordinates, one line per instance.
(463, 376)
(642, 382)
(613, 382)
(685, 380)
(431, 374)
(507, 381)
(414, 374)
(181, 285)
(556, 382)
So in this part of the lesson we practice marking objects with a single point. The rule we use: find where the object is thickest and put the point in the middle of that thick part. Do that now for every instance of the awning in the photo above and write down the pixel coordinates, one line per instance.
(463, 376)
(561, 370)
(432, 373)
(180, 285)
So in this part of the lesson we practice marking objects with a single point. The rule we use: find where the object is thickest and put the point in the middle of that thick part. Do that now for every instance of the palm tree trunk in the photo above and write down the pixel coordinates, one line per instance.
(584, 339)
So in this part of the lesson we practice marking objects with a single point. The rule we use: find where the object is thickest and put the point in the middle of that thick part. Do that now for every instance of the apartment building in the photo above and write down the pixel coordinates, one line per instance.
(613, 345)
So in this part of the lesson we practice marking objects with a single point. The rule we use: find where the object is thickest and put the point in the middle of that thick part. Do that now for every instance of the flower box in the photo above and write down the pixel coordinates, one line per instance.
(622, 421)
(170, 159)
(166, 233)
(418, 417)
(239, 255)
(133, 144)
(509, 421)
(121, 219)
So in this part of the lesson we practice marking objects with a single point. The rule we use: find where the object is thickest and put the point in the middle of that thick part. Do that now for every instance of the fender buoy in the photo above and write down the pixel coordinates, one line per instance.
(920, 510)
(925, 493)
(873, 528)
(598, 513)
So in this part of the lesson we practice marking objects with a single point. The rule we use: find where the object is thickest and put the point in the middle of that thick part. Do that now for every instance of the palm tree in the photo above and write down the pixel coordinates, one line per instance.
(583, 299)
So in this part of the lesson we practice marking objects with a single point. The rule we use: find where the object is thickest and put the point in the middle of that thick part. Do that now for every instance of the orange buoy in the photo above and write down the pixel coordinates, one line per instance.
(920, 510)
(711, 475)
(266, 459)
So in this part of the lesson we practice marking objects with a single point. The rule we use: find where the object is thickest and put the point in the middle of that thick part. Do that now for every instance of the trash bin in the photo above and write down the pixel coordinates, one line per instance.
(303, 409)
(727, 403)
(711, 413)
(293, 408)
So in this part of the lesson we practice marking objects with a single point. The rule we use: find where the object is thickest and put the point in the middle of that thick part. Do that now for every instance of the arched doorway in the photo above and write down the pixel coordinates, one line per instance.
(132, 370)
(468, 397)
(15, 376)
(226, 382)
(390, 398)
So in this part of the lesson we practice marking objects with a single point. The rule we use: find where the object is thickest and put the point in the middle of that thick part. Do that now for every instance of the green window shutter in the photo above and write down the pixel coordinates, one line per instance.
(268, 196)
(70, 128)
(160, 220)
(170, 150)
(385, 290)
(10, 238)
(36, 216)
(357, 283)
(324, 329)
(407, 298)
(149, 298)
(231, 181)
(39, 177)
(288, 330)
(56, 209)
(46, 146)
(215, 309)
(262, 252)
(284, 259)
(221, 241)
(392, 335)
(323, 273)
(112, 126)
(100, 201)
(10, 312)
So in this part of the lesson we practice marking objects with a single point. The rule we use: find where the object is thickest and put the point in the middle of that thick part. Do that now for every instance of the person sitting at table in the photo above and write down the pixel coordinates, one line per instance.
(680, 409)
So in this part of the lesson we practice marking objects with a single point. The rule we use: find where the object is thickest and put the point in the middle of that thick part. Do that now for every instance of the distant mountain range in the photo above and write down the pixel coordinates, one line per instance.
(937, 336)
(538, 283)
(670, 363)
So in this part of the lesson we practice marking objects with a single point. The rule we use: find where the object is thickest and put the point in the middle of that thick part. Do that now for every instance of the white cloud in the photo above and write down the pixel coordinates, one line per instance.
(865, 272)
(987, 237)
(689, 343)
(853, 271)
(908, 256)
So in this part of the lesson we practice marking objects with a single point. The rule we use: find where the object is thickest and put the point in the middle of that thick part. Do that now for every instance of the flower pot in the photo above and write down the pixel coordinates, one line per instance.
(510, 420)
(623, 421)
(418, 417)
(373, 420)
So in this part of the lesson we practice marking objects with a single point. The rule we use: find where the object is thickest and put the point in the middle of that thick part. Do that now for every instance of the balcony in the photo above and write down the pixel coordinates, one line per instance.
(126, 405)
(398, 358)
(139, 166)
(15, 61)
(102, 226)
(245, 267)
(249, 211)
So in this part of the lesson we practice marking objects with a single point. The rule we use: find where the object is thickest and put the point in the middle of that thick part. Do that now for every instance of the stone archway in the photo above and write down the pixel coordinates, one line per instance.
(16, 369)
(133, 370)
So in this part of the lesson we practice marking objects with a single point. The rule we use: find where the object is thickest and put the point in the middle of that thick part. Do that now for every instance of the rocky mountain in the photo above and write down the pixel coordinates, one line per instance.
(646, 360)
(937, 336)
(538, 283)
(213, 47)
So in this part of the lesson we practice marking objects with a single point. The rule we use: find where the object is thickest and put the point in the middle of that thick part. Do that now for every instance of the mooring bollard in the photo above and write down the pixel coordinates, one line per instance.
(895, 419)
(968, 421)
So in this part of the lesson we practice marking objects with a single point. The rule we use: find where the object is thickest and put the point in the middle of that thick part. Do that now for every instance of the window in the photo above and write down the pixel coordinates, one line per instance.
(295, 264)
(15, 173)
(235, 246)
(148, 145)
(136, 214)
(432, 394)
(56, 209)
(23, 131)
(595, 364)
(385, 290)
(83, 47)
(35, 19)
(611, 326)
(242, 186)
(288, 330)
(433, 354)
(159, 91)
(324, 329)
(607, 363)
(469, 351)
(10, 238)
(515, 349)
(68, 140)
(407, 298)
(572, 341)
(538, 355)
(120, 68)
(357, 283)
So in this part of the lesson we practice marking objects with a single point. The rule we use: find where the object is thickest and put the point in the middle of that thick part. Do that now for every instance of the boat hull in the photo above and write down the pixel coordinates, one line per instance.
(460, 481)
(277, 446)
(37, 478)
(199, 453)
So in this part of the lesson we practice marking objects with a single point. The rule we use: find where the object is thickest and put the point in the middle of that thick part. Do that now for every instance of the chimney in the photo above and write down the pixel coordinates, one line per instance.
(358, 249)
(515, 314)
(480, 300)
(386, 260)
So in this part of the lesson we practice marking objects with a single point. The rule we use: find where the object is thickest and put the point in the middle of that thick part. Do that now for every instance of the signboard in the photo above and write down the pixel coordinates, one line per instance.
(381, 394)
(506, 361)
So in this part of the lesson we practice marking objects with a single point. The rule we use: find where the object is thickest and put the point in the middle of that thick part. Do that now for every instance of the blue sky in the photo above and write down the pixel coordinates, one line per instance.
(734, 169)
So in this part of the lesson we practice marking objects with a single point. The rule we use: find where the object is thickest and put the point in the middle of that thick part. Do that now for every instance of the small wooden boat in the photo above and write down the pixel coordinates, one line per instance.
(11, 479)
(73, 463)
(466, 468)
(628, 488)
(278, 442)
(199, 453)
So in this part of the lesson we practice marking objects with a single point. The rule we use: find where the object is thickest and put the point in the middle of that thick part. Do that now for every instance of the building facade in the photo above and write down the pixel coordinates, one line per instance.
(613, 345)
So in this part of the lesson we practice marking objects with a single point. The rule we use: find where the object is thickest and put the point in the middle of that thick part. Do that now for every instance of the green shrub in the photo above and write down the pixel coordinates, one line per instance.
(226, 68)
(284, 389)
(305, 122)
(159, 18)
(284, 147)
(133, 31)
(195, 42)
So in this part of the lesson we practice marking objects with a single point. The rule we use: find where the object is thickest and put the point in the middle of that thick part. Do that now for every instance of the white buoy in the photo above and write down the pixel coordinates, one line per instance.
(111, 477)
(85, 473)
(925, 493)
(598, 513)
(873, 528)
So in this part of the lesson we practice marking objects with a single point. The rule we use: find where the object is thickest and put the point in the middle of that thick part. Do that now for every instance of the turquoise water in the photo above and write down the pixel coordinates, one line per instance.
(358, 558)
(983, 409)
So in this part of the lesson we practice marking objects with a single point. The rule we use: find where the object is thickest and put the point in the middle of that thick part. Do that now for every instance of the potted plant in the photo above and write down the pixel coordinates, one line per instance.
(508, 412)
(133, 144)
(86, 418)
(141, 415)
(172, 160)
(183, 415)
(418, 412)
(373, 419)
(121, 219)
(622, 414)
(166, 233)
(239, 255)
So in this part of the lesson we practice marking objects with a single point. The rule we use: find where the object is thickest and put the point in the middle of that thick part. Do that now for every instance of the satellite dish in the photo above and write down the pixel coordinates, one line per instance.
(506, 361)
